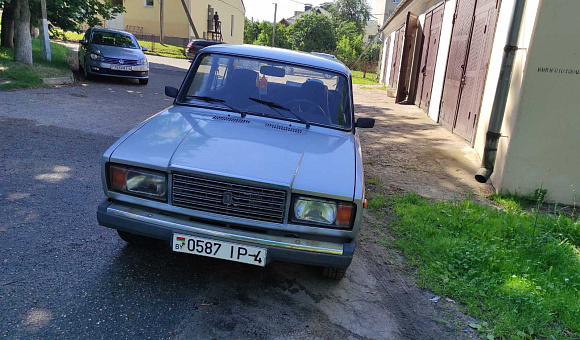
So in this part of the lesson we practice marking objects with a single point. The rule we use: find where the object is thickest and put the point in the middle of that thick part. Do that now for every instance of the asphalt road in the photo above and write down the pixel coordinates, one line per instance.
(64, 276)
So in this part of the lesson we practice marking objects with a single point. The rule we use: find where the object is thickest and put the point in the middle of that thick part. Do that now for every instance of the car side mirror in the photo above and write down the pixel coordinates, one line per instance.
(143, 48)
(171, 91)
(83, 42)
(365, 122)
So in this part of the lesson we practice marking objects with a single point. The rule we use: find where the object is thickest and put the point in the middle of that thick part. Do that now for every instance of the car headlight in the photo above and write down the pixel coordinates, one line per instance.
(138, 182)
(95, 56)
(334, 214)
(143, 61)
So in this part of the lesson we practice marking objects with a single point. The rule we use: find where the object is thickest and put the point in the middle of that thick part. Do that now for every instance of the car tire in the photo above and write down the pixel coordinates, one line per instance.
(333, 273)
(135, 239)
(86, 73)
(143, 81)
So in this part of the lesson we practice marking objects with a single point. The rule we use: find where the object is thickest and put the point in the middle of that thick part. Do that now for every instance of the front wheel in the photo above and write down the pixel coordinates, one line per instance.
(86, 72)
(143, 81)
(333, 273)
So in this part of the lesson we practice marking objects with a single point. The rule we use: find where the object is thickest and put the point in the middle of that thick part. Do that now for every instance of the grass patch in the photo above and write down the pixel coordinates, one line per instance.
(518, 271)
(14, 75)
(377, 201)
(357, 78)
(165, 50)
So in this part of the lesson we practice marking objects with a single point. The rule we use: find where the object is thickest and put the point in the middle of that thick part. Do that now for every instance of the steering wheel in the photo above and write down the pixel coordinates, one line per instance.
(309, 105)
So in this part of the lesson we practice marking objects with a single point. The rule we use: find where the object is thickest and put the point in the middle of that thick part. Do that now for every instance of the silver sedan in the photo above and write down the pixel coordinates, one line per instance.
(251, 164)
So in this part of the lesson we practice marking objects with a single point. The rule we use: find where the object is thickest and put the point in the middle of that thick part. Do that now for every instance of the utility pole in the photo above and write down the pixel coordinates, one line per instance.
(190, 20)
(43, 25)
(161, 5)
(274, 24)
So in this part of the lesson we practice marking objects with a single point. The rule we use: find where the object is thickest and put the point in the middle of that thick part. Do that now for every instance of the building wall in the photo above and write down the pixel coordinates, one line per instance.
(544, 137)
(176, 23)
(501, 35)
(384, 9)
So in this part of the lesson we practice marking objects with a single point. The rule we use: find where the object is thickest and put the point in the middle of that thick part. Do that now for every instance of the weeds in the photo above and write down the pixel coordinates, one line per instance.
(519, 272)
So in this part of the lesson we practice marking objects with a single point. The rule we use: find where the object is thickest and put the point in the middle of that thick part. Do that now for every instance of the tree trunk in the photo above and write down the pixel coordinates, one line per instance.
(22, 39)
(7, 37)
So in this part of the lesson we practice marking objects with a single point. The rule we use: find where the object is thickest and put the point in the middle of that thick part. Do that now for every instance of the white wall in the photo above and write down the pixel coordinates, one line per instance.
(544, 129)
(387, 65)
(442, 53)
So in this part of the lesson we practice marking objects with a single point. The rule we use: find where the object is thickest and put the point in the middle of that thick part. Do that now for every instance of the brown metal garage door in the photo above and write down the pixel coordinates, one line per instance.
(432, 32)
(394, 78)
(403, 85)
(476, 69)
(463, 19)
(471, 42)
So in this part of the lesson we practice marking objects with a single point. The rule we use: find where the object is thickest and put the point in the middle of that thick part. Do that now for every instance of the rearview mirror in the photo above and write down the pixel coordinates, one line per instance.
(143, 48)
(171, 91)
(273, 71)
(365, 122)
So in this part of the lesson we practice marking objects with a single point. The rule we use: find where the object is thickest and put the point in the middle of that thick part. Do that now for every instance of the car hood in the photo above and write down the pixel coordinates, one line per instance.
(185, 139)
(119, 52)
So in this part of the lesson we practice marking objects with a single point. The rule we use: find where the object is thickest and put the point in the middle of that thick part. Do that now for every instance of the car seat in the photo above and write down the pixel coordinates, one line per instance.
(241, 85)
(316, 92)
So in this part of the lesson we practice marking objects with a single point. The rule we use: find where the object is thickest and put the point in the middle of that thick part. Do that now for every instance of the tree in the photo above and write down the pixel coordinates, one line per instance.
(313, 32)
(349, 47)
(355, 11)
(251, 31)
(7, 36)
(69, 15)
(22, 39)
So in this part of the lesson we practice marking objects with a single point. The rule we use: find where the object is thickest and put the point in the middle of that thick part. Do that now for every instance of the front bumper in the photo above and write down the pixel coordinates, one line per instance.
(104, 69)
(161, 226)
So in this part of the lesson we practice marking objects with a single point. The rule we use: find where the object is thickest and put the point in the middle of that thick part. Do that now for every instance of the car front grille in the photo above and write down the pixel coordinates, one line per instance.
(228, 198)
(115, 61)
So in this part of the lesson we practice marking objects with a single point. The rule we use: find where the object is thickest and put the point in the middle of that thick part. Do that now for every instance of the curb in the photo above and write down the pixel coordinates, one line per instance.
(69, 79)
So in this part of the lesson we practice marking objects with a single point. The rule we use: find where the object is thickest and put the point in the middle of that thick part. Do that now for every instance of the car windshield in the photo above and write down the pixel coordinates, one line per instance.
(273, 89)
(114, 39)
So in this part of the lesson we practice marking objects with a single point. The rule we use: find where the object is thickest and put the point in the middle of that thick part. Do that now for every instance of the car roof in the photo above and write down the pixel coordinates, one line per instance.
(110, 30)
(280, 54)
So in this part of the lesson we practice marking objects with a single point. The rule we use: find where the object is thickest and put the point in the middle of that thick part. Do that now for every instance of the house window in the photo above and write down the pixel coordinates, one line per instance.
(149, 3)
(232, 26)
(395, 1)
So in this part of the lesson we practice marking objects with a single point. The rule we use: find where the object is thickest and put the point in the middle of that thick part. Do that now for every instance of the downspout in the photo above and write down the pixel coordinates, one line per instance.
(500, 100)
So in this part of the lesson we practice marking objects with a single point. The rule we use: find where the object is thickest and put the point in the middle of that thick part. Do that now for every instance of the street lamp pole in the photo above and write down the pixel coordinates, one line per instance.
(274, 24)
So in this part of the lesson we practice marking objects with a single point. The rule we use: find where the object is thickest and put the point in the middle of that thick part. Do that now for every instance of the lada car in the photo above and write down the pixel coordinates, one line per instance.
(250, 164)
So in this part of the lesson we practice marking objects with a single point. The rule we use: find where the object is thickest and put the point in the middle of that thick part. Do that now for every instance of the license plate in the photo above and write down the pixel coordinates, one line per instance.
(121, 68)
(219, 249)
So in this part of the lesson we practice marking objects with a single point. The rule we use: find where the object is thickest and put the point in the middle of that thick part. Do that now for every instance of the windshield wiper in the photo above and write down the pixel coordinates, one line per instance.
(217, 100)
(275, 106)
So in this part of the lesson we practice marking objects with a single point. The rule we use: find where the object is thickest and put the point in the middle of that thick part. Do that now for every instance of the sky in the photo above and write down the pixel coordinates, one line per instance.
(262, 10)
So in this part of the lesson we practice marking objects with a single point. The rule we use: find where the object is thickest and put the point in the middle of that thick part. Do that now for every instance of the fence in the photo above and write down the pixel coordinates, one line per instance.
(363, 66)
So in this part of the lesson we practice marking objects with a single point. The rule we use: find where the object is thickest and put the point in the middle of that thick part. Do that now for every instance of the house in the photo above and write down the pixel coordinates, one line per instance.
(142, 17)
(307, 9)
(501, 74)
(385, 8)
(371, 30)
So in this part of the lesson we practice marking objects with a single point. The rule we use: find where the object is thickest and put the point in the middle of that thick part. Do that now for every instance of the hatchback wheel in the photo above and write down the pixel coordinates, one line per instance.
(86, 73)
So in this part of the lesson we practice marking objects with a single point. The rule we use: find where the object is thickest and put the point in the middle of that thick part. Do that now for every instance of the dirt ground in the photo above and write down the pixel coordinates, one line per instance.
(407, 152)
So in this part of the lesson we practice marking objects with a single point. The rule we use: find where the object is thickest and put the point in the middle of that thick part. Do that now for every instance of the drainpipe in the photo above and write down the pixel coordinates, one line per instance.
(499, 102)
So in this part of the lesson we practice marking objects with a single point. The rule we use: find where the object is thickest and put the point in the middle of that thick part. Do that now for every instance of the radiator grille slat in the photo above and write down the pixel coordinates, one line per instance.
(247, 201)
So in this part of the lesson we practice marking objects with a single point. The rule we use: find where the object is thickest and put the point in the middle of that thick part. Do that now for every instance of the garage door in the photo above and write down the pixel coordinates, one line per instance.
(394, 78)
(469, 53)
(476, 69)
(432, 32)
(405, 73)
